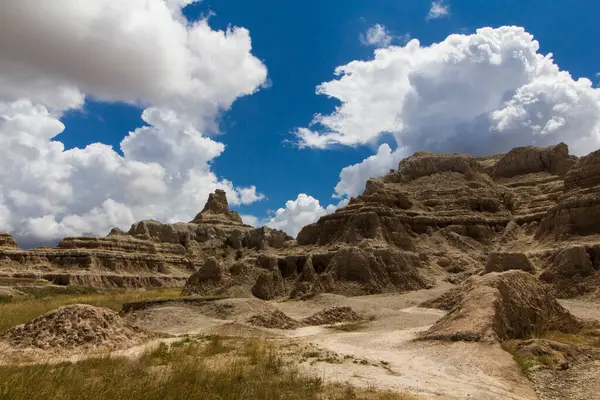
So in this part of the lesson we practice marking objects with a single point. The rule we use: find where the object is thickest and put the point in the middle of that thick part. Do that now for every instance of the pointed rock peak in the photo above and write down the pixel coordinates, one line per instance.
(216, 210)
(217, 203)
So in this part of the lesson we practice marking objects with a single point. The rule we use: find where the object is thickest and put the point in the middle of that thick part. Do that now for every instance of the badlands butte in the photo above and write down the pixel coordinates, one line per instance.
(451, 277)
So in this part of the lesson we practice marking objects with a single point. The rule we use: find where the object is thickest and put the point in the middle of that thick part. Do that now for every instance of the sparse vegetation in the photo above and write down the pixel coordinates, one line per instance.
(186, 370)
(584, 338)
(525, 363)
(17, 311)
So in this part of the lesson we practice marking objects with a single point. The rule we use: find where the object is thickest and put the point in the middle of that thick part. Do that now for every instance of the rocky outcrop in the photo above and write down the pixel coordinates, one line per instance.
(427, 192)
(577, 212)
(438, 216)
(149, 254)
(75, 327)
(354, 271)
(501, 306)
(501, 261)
(269, 286)
(6, 240)
(259, 238)
(571, 271)
(528, 160)
(202, 281)
(216, 211)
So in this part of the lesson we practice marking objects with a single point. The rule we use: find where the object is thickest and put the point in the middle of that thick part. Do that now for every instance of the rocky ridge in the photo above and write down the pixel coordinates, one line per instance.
(150, 254)
(438, 216)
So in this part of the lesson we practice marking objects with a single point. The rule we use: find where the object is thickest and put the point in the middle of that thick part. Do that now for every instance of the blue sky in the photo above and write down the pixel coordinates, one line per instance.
(301, 44)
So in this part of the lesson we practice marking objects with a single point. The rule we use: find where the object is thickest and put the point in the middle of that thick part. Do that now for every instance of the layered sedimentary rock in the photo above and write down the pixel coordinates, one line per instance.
(468, 214)
(438, 216)
(150, 254)
(577, 211)
(6, 240)
(214, 227)
(100, 262)
(428, 191)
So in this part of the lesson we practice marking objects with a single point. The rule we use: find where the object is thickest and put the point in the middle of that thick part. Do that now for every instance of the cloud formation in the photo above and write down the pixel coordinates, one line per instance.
(438, 10)
(141, 52)
(481, 93)
(376, 35)
(300, 212)
(354, 177)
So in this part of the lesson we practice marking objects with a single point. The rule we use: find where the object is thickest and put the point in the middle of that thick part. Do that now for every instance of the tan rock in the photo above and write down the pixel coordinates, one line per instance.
(500, 306)
(6, 240)
(269, 286)
(505, 261)
(528, 160)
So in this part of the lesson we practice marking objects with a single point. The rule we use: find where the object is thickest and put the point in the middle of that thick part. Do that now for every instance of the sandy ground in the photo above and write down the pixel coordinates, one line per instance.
(383, 354)
(582, 309)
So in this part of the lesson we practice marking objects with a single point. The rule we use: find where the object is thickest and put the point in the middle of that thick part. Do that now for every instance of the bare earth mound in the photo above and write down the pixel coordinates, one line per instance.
(500, 306)
(274, 319)
(332, 315)
(72, 327)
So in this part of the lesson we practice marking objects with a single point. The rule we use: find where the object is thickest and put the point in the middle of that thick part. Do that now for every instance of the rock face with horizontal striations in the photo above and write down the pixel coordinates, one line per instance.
(429, 191)
(577, 211)
(437, 217)
(528, 160)
(150, 254)
(6, 240)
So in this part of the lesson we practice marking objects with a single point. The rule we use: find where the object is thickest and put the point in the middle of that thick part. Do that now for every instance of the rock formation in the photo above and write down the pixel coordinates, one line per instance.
(577, 211)
(501, 306)
(503, 261)
(468, 214)
(150, 254)
(6, 240)
(75, 327)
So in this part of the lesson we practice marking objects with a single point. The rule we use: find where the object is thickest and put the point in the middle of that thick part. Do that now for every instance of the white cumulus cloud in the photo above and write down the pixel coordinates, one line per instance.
(481, 93)
(143, 52)
(376, 35)
(300, 212)
(354, 177)
(438, 10)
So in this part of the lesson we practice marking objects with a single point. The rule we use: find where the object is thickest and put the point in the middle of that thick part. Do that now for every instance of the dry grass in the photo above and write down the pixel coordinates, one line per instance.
(20, 310)
(584, 338)
(194, 369)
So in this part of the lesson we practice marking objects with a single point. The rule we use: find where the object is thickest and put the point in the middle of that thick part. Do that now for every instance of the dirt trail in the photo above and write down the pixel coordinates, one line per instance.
(457, 370)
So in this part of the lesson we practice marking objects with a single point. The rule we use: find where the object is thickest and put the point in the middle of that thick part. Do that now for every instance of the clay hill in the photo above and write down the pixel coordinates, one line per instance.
(437, 217)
